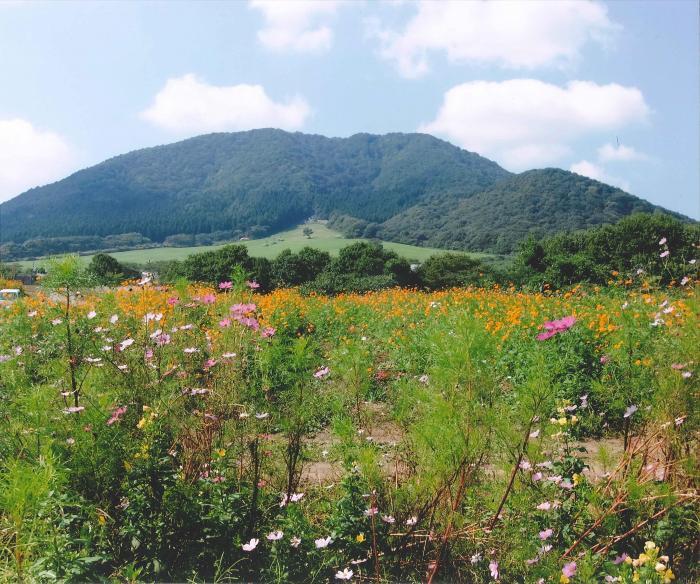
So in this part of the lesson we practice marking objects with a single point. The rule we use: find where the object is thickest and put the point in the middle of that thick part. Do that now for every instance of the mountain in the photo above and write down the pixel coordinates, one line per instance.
(252, 182)
(411, 188)
(542, 202)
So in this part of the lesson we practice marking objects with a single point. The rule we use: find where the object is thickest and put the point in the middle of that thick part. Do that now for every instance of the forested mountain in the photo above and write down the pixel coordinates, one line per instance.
(249, 182)
(410, 188)
(539, 202)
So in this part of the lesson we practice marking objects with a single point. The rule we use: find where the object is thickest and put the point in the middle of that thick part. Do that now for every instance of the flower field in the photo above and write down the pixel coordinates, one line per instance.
(197, 434)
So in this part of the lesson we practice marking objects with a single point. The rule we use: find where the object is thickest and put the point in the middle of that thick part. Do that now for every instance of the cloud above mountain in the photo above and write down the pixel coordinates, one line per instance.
(511, 34)
(298, 25)
(187, 105)
(30, 156)
(523, 123)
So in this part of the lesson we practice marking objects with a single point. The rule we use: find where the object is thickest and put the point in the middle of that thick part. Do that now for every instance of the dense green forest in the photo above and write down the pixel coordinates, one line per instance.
(408, 188)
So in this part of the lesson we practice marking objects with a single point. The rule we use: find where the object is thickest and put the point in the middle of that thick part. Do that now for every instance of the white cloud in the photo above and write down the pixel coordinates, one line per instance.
(596, 172)
(514, 33)
(30, 157)
(619, 153)
(297, 25)
(188, 106)
(523, 123)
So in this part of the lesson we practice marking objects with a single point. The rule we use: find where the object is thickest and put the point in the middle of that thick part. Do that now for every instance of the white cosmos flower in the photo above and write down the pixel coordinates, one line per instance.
(346, 574)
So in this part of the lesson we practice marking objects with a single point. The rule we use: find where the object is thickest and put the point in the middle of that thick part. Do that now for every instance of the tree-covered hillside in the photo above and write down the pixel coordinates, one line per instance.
(247, 183)
(408, 188)
(538, 202)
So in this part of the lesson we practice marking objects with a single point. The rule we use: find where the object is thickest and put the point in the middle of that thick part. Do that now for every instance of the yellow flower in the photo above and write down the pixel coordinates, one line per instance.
(564, 579)
(635, 577)
(561, 421)
(221, 452)
(360, 538)
(101, 519)
(577, 478)
(668, 576)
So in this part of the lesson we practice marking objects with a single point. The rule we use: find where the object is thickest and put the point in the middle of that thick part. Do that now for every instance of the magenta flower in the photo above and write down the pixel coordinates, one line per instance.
(253, 285)
(321, 373)
(664, 254)
(556, 326)
(163, 339)
(267, 332)
(173, 300)
(225, 323)
(546, 534)
(569, 569)
(619, 559)
(225, 285)
(116, 415)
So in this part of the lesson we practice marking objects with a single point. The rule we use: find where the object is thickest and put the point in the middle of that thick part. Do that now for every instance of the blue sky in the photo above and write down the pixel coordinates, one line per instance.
(609, 90)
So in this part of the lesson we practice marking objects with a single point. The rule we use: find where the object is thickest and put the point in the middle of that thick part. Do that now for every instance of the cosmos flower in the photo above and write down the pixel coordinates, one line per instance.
(73, 409)
(346, 574)
(662, 241)
(275, 535)
(556, 326)
(125, 344)
(664, 254)
(267, 332)
(295, 542)
(629, 411)
(225, 285)
(569, 569)
(412, 520)
(253, 285)
(323, 542)
(92, 314)
(493, 568)
(321, 373)
(251, 545)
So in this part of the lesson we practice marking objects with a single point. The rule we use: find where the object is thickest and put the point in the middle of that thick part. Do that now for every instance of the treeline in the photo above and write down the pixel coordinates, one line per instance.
(638, 247)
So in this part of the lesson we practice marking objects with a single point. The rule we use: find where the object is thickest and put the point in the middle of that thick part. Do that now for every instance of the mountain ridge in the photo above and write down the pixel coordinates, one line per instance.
(262, 181)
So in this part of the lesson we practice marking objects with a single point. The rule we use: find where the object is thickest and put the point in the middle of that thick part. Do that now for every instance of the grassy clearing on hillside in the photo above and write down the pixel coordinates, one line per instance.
(322, 238)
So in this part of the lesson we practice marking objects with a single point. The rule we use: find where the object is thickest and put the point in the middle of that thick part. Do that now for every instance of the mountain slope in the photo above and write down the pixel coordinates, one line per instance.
(542, 202)
(408, 188)
(247, 182)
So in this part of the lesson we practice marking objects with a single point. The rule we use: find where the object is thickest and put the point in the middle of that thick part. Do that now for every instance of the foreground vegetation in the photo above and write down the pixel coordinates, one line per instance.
(213, 433)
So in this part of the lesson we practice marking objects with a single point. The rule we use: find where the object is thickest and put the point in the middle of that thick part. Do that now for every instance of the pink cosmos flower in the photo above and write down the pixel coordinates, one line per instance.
(556, 326)
(686, 374)
(345, 574)
(125, 344)
(275, 535)
(493, 568)
(243, 308)
(412, 520)
(208, 299)
(295, 542)
(569, 569)
(163, 339)
(546, 506)
(5, 358)
(117, 415)
(388, 519)
(225, 285)
(251, 545)
(537, 476)
(253, 285)
(173, 300)
(92, 314)
(662, 241)
(267, 332)
(604, 359)
(619, 559)
(546, 534)
(321, 373)
(225, 323)
(371, 511)
(323, 542)
(664, 254)
(190, 350)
